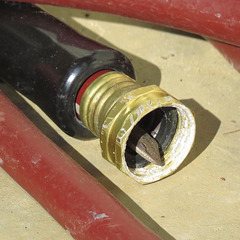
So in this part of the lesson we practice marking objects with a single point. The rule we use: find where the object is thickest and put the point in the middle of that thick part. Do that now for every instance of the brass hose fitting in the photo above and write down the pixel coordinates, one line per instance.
(114, 104)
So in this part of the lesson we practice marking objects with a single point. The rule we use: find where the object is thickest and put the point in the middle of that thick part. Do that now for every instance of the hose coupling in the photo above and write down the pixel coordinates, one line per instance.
(114, 107)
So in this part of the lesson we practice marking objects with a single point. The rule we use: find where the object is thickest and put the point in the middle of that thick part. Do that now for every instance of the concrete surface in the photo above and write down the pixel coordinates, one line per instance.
(201, 200)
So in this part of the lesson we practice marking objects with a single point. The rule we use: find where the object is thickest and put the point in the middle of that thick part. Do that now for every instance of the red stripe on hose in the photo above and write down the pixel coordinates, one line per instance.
(85, 86)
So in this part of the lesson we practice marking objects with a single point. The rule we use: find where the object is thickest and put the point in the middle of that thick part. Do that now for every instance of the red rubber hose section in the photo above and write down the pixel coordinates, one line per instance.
(216, 19)
(59, 184)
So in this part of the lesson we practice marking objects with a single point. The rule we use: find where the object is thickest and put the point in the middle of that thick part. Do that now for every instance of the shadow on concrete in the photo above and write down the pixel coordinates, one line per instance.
(207, 126)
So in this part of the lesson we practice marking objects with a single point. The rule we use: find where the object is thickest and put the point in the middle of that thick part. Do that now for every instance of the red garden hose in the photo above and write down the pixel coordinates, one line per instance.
(216, 19)
(61, 186)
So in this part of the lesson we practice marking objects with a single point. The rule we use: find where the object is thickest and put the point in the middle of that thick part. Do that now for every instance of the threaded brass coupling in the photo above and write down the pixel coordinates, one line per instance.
(114, 104)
